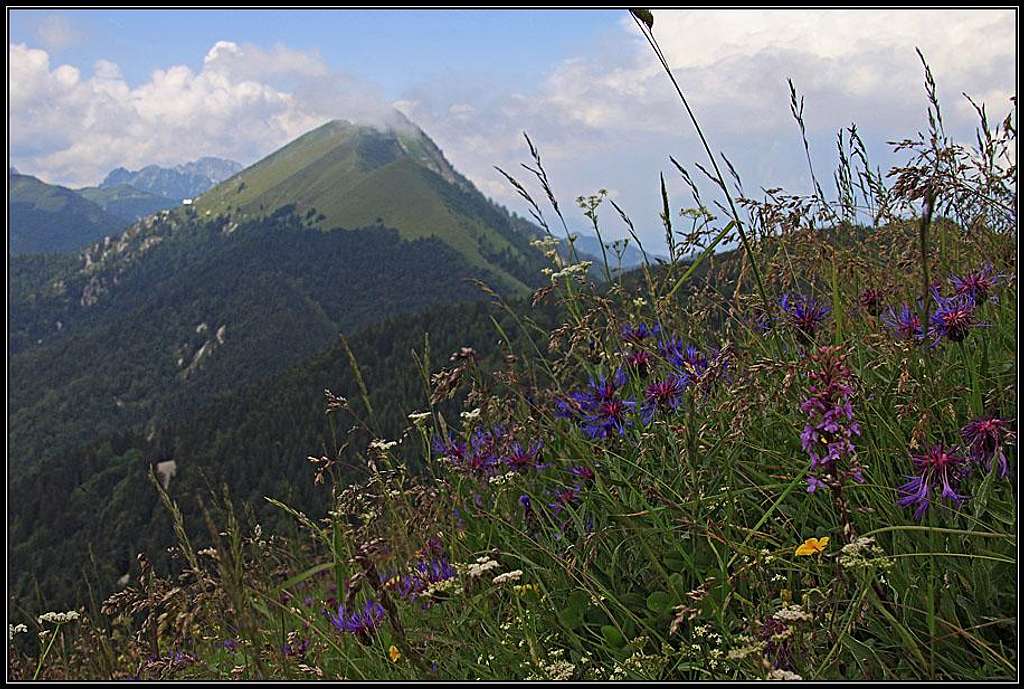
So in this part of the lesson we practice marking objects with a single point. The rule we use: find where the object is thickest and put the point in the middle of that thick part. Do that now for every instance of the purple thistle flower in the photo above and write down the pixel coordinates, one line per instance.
(663, 395)
(954, 317)
(985, 437)
(939, 469)
(361, 622)
(905, 323)
(804, 313)
(979, 285)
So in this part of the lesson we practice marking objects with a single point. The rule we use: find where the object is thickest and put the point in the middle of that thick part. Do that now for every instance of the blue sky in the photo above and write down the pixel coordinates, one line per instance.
(392, 49)
(90, 90)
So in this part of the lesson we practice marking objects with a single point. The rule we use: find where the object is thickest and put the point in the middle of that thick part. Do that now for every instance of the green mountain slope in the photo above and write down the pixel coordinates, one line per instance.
(346, 175)
(46, 218)
(127, 202)
(187, 310)
(131, 344)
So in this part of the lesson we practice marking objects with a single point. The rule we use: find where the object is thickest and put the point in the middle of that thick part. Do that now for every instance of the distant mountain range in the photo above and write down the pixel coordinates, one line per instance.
(622, 255)
(179, 182)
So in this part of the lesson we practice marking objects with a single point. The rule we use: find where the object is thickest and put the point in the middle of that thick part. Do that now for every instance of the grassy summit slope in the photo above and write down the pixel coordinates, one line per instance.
(345, 175)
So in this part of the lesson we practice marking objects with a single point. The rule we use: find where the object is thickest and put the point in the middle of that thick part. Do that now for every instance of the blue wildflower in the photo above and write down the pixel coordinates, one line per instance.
(979, 285)
(360, 622)
(599, 409)
(663, 395)
(520, 458)
(639, 333)
(954, 317)
(939, 470)
(986, 437)
(804, 313)
(906, 323)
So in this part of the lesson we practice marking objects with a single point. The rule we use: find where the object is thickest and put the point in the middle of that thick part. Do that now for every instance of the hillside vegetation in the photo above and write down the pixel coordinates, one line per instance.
(49, 219)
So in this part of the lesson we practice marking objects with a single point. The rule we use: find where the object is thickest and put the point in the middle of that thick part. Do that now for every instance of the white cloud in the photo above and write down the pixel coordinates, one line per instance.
(71, 128)
(56, 31)
(610, 118)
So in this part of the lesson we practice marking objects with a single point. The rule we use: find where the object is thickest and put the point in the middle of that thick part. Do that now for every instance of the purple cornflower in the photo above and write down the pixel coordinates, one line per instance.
(905, 323)
(230, 644)
(871, 301)
(434, 571)
(804, 313)
(292, 649)
(954, 317)
(828, 435)
(939, 469)
(638, 333)
(599, 409)
(519, 458)
(979, 285)
(582, 472)
(609, 418)
(564, 497)
(449, 449)
(424, 573)
(640, 361)
(688, 359)
(663, 395)
(480, 457)
(985, 437)
(361, 622)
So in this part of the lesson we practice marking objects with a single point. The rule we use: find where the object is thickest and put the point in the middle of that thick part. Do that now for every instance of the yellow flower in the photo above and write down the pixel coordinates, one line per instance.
(812, 546)
(394, 653)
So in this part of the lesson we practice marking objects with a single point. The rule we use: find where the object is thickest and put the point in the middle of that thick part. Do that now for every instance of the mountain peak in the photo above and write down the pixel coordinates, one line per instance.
(350, 175)
(179, 182)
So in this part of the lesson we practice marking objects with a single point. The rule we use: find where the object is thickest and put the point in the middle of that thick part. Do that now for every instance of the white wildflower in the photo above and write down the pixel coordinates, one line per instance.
(793, 613)
(471, 415)
(382, 445)
(481, 566)
(13, 629)
(58, 617)
(786, 675)
(514, 575)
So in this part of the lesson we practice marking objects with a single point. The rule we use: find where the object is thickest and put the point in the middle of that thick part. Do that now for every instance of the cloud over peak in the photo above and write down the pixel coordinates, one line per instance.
(243, 103)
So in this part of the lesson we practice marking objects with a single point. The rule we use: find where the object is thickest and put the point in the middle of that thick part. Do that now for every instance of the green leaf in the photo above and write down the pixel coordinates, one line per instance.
(572, 614)
(659, 601)
(613, 636)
